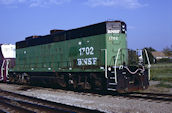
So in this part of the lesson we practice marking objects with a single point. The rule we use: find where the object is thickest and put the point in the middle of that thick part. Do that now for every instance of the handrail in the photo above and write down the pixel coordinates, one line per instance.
(7, 67)
(116, 64)
(149, 65)
(105, 62)
(134, 71)
(2, 69)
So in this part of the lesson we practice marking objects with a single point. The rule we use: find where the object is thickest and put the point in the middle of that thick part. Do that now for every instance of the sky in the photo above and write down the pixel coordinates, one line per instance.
(149, 22)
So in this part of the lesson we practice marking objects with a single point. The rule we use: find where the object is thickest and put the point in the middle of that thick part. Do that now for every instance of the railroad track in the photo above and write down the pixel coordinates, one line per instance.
(16, 103)
(149, 96)
(138, 95)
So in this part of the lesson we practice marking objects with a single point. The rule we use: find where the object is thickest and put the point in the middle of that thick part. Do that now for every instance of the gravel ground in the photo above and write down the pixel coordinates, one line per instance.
(105, 103)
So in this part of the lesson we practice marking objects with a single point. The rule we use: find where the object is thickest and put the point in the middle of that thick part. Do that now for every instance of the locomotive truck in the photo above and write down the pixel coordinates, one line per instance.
(93, 57)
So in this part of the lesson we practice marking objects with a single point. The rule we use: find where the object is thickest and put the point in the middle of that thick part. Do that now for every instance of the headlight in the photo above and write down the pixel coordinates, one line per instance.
(109, 68)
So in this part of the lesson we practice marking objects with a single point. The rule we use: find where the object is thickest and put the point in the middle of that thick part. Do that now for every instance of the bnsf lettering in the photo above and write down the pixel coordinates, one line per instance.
(87, 61)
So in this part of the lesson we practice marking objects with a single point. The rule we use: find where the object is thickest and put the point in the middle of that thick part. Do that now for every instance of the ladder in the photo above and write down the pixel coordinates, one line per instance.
(111, 84)
(112, 77)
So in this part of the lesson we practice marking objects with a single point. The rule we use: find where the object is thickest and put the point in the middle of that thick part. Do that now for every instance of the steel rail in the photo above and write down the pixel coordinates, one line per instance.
(32, 101)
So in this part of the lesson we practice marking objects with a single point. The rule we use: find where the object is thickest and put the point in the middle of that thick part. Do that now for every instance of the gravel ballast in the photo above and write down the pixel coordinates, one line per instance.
(105, 103)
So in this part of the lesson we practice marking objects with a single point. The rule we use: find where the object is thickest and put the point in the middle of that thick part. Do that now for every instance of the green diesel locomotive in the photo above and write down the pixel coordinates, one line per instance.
(93, 57)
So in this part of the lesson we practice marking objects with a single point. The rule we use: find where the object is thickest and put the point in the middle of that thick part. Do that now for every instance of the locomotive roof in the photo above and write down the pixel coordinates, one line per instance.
(98, 23)
(62, 35)
(61, 31)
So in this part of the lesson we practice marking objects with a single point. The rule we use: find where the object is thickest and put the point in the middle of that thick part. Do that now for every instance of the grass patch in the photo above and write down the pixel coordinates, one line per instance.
(161, 72)
(160, 65)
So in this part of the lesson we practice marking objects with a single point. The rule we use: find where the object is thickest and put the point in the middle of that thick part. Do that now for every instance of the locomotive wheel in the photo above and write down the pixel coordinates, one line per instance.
(25, 78)
(73, 81)
(12, 79)
(17, 78)
(84, 82)
(62, 81)
(98, 82)
(87, 84)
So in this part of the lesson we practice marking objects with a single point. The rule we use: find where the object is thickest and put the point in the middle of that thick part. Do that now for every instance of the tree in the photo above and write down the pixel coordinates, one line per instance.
(167, 51)
(133, 56)
(150, 49)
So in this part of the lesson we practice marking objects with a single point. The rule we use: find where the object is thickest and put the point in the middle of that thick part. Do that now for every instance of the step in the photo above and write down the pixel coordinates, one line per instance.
(112, 77)
(112, 83)
(111, 89)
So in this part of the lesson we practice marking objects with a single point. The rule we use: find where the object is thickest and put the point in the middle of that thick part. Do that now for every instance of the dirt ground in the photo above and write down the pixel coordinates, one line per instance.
(154, 88)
